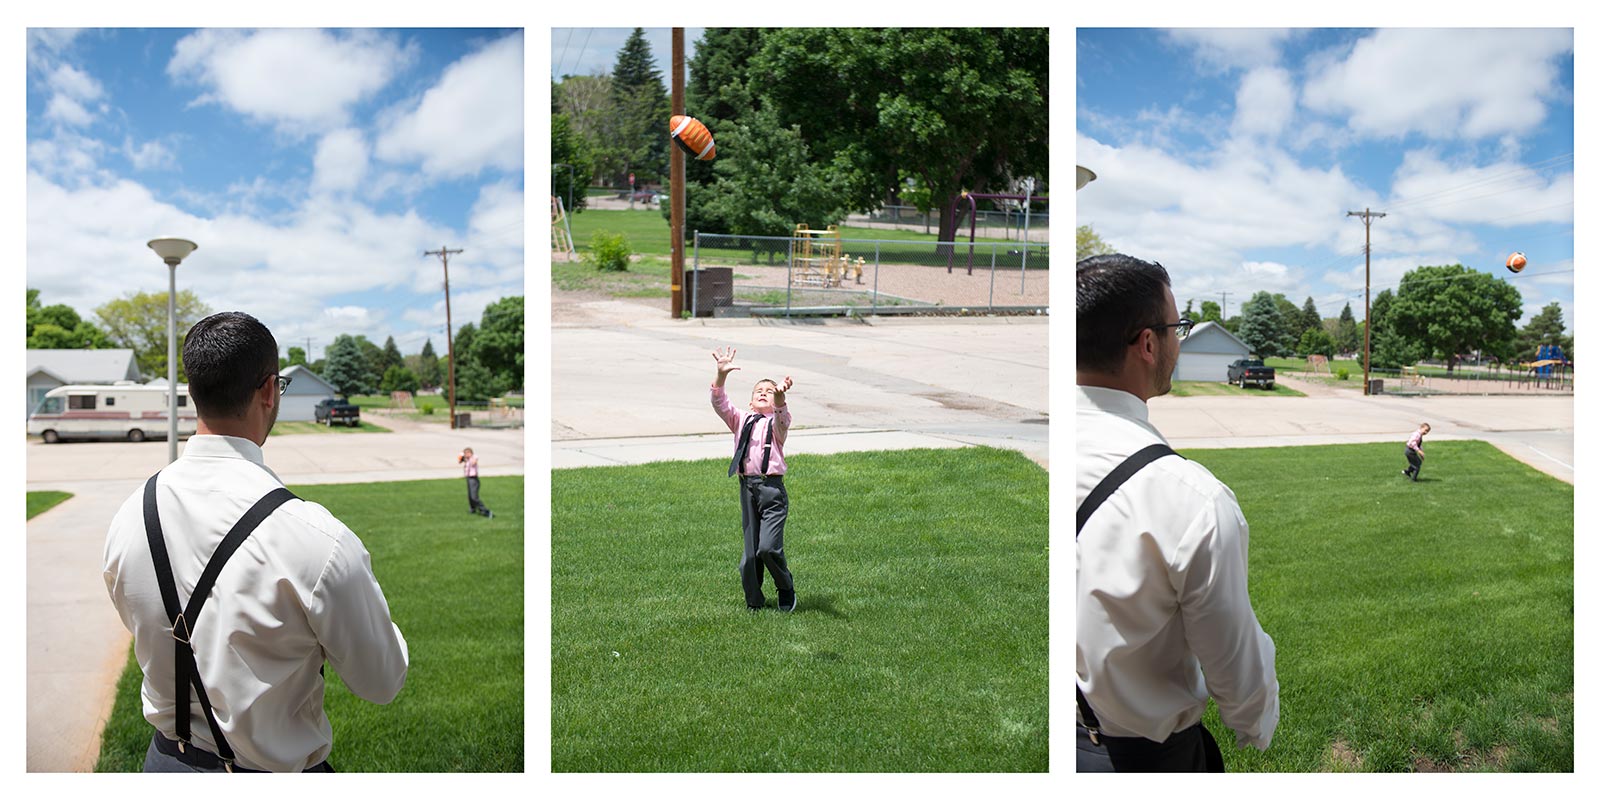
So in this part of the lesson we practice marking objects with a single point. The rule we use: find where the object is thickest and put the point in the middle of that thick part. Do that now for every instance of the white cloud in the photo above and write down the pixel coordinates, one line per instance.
(46, 43)
(341, 161)
(1502, 193)
(1265, 102)
(74, 83)
(471, 120)
(1222, 49)
(67, 111)
(300, 80)
(148, 156)
(1443, 83)
(66, 155)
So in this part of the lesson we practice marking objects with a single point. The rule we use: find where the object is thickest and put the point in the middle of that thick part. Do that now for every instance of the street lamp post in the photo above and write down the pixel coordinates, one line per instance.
(172, 251)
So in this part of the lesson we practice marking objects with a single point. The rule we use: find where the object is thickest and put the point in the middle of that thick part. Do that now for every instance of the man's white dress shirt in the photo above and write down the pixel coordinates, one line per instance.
(1164, 615)
(299, 590)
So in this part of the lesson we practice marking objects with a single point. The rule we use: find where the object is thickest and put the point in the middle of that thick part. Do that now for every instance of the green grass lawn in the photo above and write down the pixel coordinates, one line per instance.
(921, 642)
(1419, 626)
(1299, 365)
(1217, 388)
(40, 502)
(286, 428)
(454, 586)
(649, 233)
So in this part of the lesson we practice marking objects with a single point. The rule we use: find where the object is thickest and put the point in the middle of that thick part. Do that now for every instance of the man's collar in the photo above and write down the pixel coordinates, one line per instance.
(214, 446)
(1113, 401)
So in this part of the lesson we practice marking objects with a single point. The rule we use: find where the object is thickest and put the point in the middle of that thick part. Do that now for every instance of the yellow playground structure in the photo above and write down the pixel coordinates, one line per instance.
(560, 229)
(820, 260)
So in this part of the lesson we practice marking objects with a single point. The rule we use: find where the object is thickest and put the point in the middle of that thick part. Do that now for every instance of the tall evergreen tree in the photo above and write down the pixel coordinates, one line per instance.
(428, 366)
(346, 367)
(643, 110)
(391, 354)
(1309, 318)
(1348, 338)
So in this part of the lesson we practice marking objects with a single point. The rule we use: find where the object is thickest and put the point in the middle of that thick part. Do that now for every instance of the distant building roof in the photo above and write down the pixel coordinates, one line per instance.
(302, 377)
(85, 366)
(1209, 337)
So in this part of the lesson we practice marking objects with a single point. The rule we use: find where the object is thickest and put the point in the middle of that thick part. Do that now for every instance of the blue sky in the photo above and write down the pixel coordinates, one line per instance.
(590, 51)
(313, 168)
(1232, 156)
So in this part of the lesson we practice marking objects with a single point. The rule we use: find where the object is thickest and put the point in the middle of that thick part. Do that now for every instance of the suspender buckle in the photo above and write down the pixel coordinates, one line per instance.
(1094, 735)
(187, 634)
(227, 764)
(182, 744)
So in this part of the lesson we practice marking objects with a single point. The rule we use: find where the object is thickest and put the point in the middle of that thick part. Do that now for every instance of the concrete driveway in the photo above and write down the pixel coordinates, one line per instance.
(76, 643)
(635, 388)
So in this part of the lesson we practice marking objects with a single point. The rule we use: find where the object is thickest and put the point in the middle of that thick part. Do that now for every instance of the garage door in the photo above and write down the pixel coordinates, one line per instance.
(299, 408)
(1203, 366)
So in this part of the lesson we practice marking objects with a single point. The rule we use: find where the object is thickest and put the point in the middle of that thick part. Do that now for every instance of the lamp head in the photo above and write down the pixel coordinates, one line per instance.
(1084, 176)
(171, 249)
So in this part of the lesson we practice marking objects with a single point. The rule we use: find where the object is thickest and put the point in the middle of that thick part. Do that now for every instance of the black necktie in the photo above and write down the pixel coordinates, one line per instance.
(744, 445)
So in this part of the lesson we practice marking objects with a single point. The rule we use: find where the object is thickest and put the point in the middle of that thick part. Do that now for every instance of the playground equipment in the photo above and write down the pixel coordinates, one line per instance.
(1317, 363)
(819, 258)
(1551, 370)
(400, 400)
(972, 236)
(1411, 377)
(560, 229)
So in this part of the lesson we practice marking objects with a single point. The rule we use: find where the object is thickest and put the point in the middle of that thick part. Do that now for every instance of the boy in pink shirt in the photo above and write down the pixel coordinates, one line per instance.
(1414, 454)
(758, 462)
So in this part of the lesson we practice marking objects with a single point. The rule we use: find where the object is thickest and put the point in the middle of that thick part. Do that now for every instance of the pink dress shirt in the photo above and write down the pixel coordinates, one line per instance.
(470, 466)
(776, 427)
(1415, 442)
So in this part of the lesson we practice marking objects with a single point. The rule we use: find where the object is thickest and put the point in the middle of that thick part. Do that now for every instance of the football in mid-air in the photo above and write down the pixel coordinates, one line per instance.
(1516, 261)
(691, 135)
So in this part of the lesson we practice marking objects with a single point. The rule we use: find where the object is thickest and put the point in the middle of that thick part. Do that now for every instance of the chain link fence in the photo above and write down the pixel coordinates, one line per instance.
(785, 276)
(1003, 224)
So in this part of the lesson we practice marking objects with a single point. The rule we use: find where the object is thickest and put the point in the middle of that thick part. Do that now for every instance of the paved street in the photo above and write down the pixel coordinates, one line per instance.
(76, 643)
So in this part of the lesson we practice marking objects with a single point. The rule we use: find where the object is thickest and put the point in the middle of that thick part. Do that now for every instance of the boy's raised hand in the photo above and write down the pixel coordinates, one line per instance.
(724, 357)
(778, 398)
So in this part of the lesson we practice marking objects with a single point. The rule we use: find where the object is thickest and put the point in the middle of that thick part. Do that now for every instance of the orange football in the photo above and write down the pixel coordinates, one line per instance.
(1516, 262)
(691, 135)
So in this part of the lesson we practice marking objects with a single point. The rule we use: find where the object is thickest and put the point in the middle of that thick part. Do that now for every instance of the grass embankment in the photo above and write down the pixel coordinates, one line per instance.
(40, 502)
(1419, 626)
(921, 642)
(286, 428)
(454, 585)
(1217, 389)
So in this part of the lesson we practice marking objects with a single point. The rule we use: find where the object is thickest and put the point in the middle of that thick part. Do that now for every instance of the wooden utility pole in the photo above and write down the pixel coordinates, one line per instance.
(677, 178)
(1225, 305)
(449, 338)
(1366, 361)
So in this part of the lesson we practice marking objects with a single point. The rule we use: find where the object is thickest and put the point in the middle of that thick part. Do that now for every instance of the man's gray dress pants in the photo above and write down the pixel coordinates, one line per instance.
(763, 506)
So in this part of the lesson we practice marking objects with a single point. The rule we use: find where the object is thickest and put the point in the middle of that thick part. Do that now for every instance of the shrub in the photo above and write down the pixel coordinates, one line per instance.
(427, 408)
(609, 251)
(1344, 373)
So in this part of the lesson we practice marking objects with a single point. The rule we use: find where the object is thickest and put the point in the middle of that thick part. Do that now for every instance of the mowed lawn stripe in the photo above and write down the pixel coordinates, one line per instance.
(1419, 626)
(454, 584)
(920, 643)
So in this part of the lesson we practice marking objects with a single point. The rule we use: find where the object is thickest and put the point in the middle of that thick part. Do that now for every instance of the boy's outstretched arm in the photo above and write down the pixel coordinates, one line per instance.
(778, 398)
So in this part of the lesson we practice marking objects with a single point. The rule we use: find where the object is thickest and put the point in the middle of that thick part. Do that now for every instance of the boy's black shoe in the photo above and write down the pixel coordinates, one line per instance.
(786, 602)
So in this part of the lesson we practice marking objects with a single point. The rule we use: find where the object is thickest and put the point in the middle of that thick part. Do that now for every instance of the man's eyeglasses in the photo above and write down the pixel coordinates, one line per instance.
(1182, 327)
(283, 382)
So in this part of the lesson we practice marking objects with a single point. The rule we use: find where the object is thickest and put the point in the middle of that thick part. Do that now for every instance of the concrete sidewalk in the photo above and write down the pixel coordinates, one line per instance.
(76, 643)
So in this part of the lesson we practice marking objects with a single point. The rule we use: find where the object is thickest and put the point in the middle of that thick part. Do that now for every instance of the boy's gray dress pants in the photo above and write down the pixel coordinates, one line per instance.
(763, 506)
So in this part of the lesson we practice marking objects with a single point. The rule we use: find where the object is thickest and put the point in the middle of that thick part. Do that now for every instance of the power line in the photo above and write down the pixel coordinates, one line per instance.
(564, 45)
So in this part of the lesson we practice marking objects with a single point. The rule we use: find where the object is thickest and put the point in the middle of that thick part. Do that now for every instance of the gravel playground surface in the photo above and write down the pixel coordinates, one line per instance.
(902, 284)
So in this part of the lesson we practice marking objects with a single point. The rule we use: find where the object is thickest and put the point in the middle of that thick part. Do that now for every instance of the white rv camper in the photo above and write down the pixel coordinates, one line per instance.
(124, 410)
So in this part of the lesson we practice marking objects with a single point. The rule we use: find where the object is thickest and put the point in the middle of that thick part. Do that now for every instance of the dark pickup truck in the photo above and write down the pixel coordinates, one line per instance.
(330, 411)
(1246, 371)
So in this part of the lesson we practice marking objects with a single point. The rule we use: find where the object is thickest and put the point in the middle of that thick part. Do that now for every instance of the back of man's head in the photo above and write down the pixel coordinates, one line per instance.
(1118, 296)
(227, 356)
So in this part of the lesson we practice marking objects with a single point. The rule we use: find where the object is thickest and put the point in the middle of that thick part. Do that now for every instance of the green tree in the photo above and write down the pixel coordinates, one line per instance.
(1309, 318)
(1348, 337)
(1262, 326)
(1210, 311)
(1316, 341)
(297, 355)
(1545, 328)
(773, 184)
(1391, 347)
(1451, 310)
(58, 327)
(567, 147)
(391, 354)
(1090, 244)
(138, 321)
(955, 108)
(1233, 324)
(428, 365)
(497, 347)
(642, 110)
(399, 379)
(1289, 334)
(1188, 310)
(372, 358)
(346, 369)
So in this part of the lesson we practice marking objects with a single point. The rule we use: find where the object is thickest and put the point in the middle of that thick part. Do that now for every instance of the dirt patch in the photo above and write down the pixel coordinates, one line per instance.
(1341, 757)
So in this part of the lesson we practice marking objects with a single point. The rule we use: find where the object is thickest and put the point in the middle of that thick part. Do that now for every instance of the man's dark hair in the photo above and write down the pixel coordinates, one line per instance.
(227, 356)
(1118, 296)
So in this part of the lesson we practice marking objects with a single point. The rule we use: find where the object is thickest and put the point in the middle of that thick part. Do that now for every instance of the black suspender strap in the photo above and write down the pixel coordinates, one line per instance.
(1108, 486)
(185, 668)
(766, 453)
